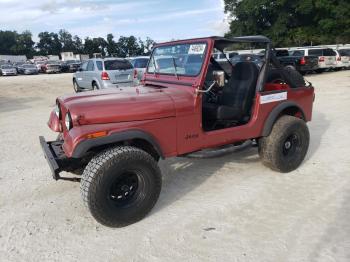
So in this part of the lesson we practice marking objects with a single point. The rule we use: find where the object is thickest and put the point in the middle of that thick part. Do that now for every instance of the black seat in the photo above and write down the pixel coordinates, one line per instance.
(237, 96)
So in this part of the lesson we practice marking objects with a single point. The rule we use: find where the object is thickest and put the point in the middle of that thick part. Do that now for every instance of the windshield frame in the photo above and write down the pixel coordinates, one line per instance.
(177, 75)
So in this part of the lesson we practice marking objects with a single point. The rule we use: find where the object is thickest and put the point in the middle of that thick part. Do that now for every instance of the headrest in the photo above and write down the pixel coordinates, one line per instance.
(244, 71)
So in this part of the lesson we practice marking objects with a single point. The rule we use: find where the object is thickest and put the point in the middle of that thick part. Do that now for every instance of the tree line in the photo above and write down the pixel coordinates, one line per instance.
(291, 23)
(50, 43)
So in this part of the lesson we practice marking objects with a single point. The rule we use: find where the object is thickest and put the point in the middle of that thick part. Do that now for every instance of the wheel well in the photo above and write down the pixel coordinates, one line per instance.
(287, 108)
(137, 142)
(292, 111)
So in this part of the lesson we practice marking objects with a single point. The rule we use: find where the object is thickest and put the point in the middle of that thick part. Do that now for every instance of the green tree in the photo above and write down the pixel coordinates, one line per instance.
(66, 41)
(49, 44)
(299, 22)
(7, 42)
(78, 45)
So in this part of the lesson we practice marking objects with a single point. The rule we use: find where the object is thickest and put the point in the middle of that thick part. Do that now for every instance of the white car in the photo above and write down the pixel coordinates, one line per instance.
(139, 63)
(326, 56)
(343, 58)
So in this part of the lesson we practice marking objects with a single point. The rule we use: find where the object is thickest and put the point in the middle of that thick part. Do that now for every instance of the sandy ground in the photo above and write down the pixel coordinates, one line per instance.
(228, 208)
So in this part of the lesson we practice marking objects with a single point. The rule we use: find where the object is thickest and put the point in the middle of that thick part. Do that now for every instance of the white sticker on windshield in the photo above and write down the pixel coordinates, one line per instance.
(197, 49)
(273, 98)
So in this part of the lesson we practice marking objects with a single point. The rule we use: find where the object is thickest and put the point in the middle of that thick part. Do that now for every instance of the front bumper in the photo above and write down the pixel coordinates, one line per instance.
(9, 73)
(56, 158)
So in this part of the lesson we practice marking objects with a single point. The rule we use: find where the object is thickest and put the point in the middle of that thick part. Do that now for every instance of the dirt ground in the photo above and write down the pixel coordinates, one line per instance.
(225, 208)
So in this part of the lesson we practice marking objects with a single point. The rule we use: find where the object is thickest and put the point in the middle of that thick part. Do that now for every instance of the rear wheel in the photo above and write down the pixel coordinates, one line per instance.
(94, 86)
(286, 146)
(121, 185)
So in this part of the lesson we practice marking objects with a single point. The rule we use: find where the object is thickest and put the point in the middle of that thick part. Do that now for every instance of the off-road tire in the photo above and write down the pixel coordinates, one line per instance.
(273, 149)
(103, 172)
(76, 86)
(294, 76)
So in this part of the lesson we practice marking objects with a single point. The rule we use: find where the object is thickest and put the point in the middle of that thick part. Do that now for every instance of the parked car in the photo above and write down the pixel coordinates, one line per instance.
(139, 63)
(220, 57)
(17, 65)
(51, 67)
(64, 67)
(8, 70)
(39, 64)
(297, 61)
(73, 65)
(28, 69)
(256, 59)
(187, 103)
(343, 58)
(326, 56)
(101, 73)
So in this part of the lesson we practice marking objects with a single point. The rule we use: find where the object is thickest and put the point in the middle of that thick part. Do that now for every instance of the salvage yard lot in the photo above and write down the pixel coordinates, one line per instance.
(224, 208)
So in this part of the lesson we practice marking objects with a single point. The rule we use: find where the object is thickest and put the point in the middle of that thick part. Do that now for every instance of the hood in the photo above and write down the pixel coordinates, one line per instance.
(118, 105)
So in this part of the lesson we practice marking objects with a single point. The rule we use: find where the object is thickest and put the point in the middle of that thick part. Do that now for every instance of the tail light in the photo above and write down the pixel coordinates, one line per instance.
(339, 58)
(321, 59)
(104, 76)
(303, 61)
(135, 74)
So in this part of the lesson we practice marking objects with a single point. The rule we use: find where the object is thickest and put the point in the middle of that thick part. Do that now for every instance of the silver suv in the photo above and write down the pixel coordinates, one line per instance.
(103, 73)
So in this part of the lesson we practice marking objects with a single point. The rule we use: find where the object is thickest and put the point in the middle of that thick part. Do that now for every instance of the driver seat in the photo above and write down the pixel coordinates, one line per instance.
(237, 96)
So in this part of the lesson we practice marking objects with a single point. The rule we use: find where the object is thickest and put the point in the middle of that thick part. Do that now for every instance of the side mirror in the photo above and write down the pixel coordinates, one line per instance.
(80, 69)
(219, 78)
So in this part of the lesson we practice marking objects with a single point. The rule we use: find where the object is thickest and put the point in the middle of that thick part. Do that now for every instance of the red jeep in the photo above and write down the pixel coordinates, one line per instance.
(187, 102)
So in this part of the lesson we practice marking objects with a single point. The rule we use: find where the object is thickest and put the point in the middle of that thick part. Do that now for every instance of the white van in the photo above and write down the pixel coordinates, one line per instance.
(343, 58)
(326, 56)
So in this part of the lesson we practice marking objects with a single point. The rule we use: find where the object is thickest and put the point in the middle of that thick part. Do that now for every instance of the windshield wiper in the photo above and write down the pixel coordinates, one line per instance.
(173, 58)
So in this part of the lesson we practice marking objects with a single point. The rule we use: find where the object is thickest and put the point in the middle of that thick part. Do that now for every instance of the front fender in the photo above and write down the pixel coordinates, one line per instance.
(87, 144)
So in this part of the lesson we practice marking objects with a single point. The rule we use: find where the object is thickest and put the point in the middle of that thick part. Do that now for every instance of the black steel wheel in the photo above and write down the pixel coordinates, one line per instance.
(121, 185)
(285, 147)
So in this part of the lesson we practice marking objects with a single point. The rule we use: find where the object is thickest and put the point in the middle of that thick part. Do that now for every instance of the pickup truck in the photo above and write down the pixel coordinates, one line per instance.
(301, 63)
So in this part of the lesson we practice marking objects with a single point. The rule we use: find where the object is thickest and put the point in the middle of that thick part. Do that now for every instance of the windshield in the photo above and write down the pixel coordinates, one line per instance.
(344, 52)
(6, 67)
(29, 66)
(181, 59)
(139, 62)
(117, 65)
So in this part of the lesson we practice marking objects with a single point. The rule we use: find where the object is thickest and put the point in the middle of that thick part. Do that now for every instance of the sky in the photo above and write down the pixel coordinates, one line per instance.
(161, 20)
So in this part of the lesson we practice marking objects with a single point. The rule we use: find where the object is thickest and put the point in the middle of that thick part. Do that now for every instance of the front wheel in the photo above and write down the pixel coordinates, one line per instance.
(76, 86)
(286, 146)
(121, 185)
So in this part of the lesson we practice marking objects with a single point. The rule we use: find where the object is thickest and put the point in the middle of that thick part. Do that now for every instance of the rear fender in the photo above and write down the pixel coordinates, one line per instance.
(288, 108)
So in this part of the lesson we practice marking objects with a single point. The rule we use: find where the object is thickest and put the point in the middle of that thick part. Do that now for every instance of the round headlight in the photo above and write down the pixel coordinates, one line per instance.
(58, 110)
(68, 121)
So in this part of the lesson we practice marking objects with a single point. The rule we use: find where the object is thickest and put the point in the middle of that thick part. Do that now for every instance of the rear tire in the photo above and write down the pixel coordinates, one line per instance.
(121, 185)
(286, 146)
(94, 86)
(275, 76)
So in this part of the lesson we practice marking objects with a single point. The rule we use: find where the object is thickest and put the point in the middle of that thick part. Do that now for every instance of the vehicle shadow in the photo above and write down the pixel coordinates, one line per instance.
(181, 175)
(318, 127)
(8, 104)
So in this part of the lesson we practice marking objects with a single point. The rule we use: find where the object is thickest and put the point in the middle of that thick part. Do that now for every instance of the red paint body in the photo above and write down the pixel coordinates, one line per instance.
(170, 114)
